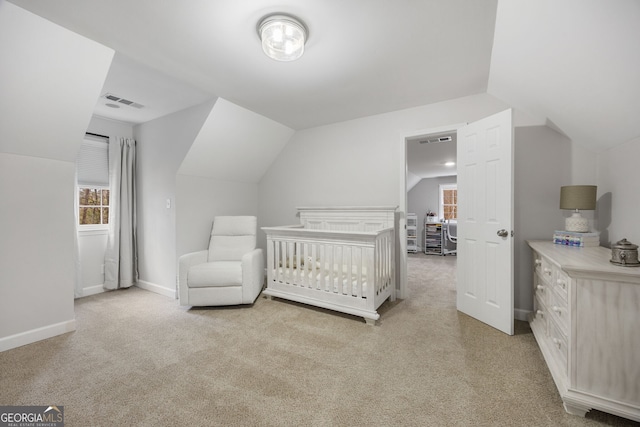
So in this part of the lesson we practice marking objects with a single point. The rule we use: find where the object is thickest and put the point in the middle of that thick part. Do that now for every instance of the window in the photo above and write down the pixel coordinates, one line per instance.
(449, 201)
(94, 206)
(93, 182)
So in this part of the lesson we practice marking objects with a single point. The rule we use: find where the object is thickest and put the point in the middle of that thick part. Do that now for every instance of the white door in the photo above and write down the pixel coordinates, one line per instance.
(485, 221)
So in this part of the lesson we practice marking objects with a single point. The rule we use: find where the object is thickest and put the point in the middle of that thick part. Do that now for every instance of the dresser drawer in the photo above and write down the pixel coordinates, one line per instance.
(540, 288)
(539, 316)
(558, 342)
(561, 284)
(543, 268)
(558, 310)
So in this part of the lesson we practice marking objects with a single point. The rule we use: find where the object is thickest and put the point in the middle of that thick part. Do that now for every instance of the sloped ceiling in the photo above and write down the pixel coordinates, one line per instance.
(573, 63)
(155, 93)
(50, 79)
(363, 57)
(235, 144)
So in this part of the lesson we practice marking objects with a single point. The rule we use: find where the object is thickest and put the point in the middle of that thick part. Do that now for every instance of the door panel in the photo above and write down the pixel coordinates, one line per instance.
(485, 206)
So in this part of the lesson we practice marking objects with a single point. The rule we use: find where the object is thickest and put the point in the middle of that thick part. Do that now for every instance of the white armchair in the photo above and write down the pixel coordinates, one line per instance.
(230, 272)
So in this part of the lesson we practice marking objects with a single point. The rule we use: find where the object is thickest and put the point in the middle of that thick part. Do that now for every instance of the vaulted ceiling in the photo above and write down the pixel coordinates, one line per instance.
(572, 64)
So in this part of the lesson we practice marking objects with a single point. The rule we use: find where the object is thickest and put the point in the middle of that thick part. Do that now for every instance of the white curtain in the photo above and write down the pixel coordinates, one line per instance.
(121, 258)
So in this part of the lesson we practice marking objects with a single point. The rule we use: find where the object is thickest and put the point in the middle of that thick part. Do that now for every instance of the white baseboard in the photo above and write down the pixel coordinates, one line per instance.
(520, 314)
(92, 290)
(157, 289)
(35, 335)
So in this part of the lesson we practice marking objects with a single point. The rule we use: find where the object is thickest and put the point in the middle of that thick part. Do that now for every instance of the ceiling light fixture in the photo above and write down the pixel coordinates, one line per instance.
(283, 36)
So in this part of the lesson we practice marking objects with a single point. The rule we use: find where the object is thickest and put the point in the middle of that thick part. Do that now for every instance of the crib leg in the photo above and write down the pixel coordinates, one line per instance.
(370, 322)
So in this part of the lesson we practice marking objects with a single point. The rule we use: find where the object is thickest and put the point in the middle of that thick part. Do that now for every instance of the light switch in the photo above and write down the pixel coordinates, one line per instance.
(168, 203)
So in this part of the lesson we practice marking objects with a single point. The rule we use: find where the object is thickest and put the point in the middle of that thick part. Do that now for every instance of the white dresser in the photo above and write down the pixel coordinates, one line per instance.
(586, 320)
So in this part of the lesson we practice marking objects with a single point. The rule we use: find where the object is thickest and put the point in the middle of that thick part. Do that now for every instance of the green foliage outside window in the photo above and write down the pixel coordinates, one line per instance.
(94, 206)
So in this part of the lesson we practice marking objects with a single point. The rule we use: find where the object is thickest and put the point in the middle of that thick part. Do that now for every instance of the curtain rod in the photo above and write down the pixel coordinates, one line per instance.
(95, 134)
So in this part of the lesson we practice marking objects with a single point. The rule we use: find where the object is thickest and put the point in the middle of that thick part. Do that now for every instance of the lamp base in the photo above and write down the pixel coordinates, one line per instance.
(576, 223)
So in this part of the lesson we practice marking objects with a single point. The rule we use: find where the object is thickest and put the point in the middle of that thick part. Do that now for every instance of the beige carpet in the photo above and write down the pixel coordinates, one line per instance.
(138, 358)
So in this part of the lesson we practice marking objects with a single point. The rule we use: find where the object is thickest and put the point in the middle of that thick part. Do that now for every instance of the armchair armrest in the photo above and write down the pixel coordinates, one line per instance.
(252, 275)
(184, 263)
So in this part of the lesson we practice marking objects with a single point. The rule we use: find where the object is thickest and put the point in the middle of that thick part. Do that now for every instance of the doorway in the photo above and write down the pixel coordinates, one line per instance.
(431, 205)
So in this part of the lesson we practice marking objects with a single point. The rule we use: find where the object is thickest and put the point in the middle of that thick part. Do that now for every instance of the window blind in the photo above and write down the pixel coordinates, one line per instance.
(93, 163)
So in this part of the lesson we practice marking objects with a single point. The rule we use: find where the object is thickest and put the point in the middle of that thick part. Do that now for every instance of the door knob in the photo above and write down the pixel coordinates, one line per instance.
(503, 233)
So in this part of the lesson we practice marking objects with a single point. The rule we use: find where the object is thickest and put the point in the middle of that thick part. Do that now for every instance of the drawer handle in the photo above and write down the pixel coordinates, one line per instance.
(556, 309)
(538, 261)
(562, 283)
(540, 313)
(557, 342)
(540, 288)
(547, 270)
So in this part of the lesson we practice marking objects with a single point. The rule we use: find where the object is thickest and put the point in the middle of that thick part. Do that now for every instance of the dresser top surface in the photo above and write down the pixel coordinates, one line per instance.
(583, 260)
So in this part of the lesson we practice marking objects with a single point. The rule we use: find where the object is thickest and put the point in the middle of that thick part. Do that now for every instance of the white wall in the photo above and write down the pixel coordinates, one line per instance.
(37, 247)
(543, 163)
(424, 196)
(618, 194)
(51, 79)
(162, 144)
(92, 244)
(200, 199)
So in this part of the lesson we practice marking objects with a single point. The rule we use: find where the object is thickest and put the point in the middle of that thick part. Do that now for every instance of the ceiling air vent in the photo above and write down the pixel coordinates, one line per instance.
(112, 97)
(437, 140)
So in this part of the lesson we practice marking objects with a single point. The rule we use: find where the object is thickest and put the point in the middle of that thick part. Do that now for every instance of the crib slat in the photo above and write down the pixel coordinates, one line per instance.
(330, 271)
(297, 250)
(279, 266)
(380, 267)
(321, 276)
(304, 279)
(371, 282)
(312, 266)
(349, 255)
(359, 287)
(290, 260)
(270, 255)
(338, 267)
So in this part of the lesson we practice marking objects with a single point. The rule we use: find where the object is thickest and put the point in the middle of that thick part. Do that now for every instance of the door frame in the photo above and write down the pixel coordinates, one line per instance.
(403, 291)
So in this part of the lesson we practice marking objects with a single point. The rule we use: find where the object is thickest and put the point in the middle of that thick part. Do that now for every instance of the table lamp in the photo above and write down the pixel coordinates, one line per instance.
(576, 197)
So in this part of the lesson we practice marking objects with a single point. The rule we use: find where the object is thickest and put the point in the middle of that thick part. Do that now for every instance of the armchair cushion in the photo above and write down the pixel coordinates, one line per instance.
(215, 274)
(232, 237)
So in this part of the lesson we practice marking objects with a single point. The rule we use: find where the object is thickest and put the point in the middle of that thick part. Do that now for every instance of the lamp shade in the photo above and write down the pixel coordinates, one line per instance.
(578, 197)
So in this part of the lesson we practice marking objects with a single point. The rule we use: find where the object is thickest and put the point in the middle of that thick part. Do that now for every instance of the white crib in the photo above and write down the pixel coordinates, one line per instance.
(339, 258)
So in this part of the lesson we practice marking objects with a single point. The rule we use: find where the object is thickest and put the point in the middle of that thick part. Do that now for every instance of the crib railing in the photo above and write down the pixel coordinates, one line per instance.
(354, 264)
